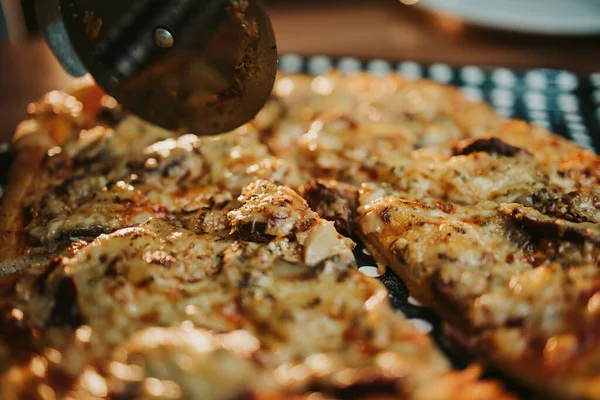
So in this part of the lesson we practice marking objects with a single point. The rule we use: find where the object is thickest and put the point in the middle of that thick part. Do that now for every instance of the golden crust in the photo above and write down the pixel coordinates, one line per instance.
(21, 178)
(54, 118)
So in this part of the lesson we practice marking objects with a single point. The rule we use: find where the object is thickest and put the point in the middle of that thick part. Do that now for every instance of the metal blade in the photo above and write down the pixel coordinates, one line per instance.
(199, 66)
(53, 31)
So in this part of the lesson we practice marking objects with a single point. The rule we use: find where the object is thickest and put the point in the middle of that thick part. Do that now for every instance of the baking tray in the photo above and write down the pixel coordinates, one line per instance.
(561, 101)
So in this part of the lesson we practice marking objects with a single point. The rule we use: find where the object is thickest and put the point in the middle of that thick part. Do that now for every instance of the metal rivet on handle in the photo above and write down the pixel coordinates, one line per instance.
(163, 38)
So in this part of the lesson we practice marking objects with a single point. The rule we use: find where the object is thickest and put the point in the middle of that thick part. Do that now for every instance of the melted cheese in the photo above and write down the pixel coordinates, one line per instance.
(359, 121)
(109, 189)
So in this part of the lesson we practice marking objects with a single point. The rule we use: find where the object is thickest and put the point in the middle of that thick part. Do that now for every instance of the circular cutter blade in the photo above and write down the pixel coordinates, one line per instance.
(201, 66)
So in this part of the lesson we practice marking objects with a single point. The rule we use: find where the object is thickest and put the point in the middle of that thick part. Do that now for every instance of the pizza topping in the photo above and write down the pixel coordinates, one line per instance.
(122, 189)
(407, 231)
(463, 179)
(323, 242)
(277, 211)
(519, 284)
(343, 125)
(567, 165)
(573, 206)
(544, 225)
(491, 145)
(333, 201)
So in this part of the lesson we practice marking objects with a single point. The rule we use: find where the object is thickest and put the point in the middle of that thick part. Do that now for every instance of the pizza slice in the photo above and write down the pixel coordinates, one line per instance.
(273, 309)
(63, 135)
(99, 178)
(517, 285)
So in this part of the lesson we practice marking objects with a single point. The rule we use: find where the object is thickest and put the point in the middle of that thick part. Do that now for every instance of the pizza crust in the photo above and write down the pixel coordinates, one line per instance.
(21, 179)
(32, 140)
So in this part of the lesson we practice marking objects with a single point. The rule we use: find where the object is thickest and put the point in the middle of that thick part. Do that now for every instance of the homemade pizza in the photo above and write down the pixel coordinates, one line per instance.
(138, 263)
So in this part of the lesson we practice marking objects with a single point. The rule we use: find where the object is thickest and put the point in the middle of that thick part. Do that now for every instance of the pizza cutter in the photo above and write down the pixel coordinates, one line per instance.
(200, 66)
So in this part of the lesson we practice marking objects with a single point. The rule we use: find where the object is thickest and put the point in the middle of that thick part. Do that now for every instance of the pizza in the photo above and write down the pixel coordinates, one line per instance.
(140, 263)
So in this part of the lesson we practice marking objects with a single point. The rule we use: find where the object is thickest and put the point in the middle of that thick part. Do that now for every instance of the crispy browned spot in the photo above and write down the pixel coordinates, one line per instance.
(334, 202)
(542, 225)
(490, 145)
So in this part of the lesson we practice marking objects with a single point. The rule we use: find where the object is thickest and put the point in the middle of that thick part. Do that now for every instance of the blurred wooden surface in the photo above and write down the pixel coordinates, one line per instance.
(373, 28)
(390, 30)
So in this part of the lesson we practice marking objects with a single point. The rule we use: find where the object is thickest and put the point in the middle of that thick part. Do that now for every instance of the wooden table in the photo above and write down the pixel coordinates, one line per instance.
(382, 29)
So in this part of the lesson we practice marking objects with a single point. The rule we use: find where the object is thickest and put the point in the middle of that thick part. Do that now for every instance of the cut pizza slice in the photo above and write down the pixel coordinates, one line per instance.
(99, 178)
(276, 308)
(63, 135)
(519, 286)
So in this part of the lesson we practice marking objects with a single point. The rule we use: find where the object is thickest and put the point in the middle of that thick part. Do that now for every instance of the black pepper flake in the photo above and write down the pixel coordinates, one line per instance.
(386, 216)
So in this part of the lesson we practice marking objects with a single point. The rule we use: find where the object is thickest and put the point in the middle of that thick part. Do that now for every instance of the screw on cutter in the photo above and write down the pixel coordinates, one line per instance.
(163, 38)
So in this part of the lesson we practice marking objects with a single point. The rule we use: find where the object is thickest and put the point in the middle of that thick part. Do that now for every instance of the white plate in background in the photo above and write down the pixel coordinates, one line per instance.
(560, 17)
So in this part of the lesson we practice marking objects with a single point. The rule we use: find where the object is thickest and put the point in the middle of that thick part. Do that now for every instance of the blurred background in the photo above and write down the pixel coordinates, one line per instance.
(532, 33)
(562, 34)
